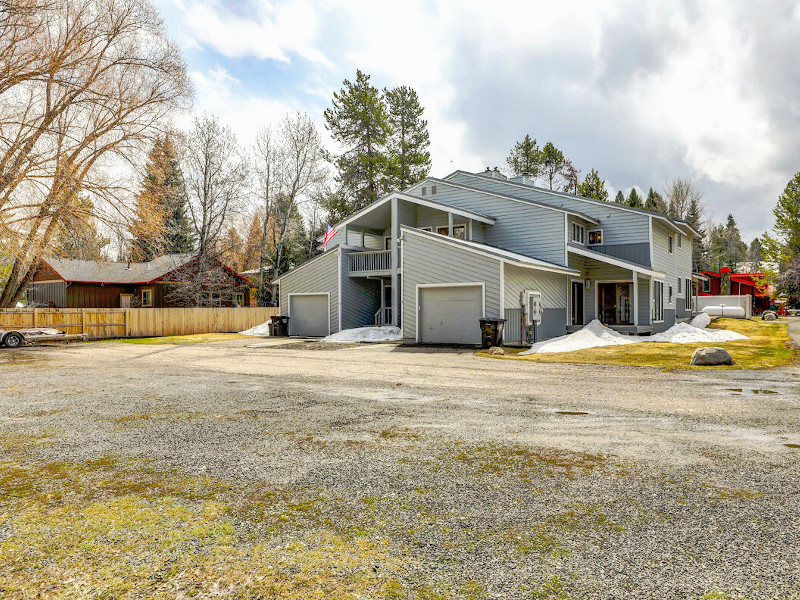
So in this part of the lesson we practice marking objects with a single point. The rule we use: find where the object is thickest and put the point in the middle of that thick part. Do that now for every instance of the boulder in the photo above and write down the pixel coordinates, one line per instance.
(496, 350)
(769, 316)
(711, 356)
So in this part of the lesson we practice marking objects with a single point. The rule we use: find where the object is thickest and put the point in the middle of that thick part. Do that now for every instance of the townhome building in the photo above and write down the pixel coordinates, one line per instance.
(436, 257)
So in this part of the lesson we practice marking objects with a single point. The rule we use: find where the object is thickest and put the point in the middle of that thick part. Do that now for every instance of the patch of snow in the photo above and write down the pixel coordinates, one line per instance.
(262, 329)
(367, 334)
(595, 335)
(20, 305)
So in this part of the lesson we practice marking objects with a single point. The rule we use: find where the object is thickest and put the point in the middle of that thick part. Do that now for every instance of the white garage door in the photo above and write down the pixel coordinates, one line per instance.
(449, 315)
(309, 315)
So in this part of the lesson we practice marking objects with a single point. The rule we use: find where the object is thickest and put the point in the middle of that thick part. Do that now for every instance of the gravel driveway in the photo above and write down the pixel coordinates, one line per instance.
(524, 480)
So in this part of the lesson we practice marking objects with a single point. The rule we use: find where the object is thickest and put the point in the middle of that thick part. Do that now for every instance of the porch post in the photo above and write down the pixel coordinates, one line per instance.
(450, 224)
(636, 301)
(362, 238)
(470, 230)
(395, 226)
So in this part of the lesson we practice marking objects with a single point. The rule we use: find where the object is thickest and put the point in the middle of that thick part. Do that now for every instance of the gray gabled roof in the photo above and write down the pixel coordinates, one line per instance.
(677, 224)
(478, 190)
(90, 271)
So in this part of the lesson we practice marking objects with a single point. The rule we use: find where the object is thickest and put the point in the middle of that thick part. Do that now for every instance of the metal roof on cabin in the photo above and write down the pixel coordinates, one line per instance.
(90, 271)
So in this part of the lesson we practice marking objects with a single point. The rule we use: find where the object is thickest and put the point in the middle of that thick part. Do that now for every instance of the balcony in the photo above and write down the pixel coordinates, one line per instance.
(371, 262)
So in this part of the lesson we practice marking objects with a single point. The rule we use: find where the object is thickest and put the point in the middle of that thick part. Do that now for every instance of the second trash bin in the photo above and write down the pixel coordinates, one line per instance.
(491, 332)
(279, 326)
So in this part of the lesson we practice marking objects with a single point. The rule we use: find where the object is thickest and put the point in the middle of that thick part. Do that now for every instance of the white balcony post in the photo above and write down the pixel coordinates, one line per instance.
(395, 254)
(450, 224)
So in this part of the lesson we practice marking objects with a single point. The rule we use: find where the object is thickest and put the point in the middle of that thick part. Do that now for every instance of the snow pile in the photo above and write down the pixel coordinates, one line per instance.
(262, 329)
(367, 334)
(594, 335)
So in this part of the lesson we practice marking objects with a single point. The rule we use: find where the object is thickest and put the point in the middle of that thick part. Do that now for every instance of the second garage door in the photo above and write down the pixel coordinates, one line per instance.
(449, 315)
(309, 315)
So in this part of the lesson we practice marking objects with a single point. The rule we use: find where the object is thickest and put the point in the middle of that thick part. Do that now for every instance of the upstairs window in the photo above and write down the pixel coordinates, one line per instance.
(578, 233)
(680, 239)
(424, 191)
(459, 231)
(596, 236)
(679, 285)
(669, 245)
(433, 190)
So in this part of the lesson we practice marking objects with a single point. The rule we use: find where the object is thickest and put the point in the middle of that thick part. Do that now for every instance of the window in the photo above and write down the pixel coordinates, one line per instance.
(596, 236)
(459, 231)
(706, 285)
(680, 239)
(387, 242)
(433, 190)
(424, 191)
(238, 298)
(669, 294)
(670, 244)
(658, 301)
(679, 285)
(147, 297)
(578, 233)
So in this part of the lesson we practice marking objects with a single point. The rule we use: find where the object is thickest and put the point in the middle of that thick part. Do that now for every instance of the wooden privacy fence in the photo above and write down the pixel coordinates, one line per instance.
(101, 323)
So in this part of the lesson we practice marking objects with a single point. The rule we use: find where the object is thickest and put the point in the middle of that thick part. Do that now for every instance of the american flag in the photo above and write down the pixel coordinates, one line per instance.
(329, 233)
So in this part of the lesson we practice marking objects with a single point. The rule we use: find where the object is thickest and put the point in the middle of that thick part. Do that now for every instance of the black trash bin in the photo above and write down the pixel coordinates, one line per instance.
(279, 326)
(491, 332)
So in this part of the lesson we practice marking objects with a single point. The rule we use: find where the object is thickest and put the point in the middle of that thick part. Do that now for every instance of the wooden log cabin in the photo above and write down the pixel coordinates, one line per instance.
(65, 283)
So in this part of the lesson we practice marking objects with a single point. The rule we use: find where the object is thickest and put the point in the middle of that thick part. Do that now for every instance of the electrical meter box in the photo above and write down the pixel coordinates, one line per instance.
(532, 307)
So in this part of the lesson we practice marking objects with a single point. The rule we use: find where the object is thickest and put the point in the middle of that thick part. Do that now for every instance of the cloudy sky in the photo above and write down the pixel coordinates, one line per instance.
(642, 91)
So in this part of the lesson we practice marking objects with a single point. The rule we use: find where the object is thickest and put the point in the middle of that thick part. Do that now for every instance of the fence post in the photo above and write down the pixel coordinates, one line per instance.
(125, 321)
(83, 321)
(35, 317)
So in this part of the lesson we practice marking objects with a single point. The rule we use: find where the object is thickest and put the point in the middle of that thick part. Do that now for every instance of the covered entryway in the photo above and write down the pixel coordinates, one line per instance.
(449, 314)
(309, 315)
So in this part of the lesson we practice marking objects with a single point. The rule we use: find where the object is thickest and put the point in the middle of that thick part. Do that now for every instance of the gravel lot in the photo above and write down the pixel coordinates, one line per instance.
(521, 480)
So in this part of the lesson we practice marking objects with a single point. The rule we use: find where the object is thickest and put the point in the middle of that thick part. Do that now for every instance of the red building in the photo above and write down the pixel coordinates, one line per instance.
(726, 283)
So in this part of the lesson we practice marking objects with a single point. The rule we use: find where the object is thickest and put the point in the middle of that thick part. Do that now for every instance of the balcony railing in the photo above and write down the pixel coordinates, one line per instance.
(373, 260)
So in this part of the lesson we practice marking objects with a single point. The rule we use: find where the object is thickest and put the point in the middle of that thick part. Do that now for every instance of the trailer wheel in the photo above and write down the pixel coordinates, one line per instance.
(12, 340)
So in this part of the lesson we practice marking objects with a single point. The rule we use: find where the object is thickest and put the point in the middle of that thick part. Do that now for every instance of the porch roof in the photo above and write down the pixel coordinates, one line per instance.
(617, 262)
(507, 256)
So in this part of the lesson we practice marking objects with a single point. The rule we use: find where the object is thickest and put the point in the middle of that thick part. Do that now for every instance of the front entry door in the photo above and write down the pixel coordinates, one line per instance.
(577, 303)
(614, 303)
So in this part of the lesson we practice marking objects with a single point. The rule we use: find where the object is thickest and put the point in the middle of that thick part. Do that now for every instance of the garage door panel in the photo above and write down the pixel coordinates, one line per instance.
(449, 315)
(309, 315)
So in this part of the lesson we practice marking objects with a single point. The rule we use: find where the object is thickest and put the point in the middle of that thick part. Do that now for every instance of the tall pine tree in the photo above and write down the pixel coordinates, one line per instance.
(634, 200)
(553, 162)
(359, 122)
(161, 223)
(408, 155)
(77, 236)
(619, 198)
(526, 158)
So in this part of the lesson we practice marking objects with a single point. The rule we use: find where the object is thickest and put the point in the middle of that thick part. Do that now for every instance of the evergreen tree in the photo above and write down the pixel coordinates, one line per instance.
(654, 202)
(359, 121)
(781, 251)
(553, 162)
(526, 158)
(694, 217)
(593, 187)
(754, 257)
(619, 198)
(161, 223)
(252, 245)
(408, 155)
(634, 200)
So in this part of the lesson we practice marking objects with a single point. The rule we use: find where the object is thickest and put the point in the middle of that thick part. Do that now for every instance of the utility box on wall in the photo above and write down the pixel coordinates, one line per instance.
(532, 307)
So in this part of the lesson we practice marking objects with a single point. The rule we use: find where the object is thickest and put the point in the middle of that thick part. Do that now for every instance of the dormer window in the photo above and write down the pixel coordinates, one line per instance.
(595, 237)
(578, 233)
(424, 191)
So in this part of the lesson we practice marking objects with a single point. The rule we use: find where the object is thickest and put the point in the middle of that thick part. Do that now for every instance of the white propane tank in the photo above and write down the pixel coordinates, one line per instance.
(736, 312)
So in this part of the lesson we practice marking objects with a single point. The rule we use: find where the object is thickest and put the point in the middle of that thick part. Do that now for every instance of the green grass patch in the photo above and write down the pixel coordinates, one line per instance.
(768, 347)
(198, 338)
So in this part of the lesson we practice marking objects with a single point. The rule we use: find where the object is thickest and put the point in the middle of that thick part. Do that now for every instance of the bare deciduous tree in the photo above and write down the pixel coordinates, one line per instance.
(292, 169)
(216, 174)
(83, 84)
